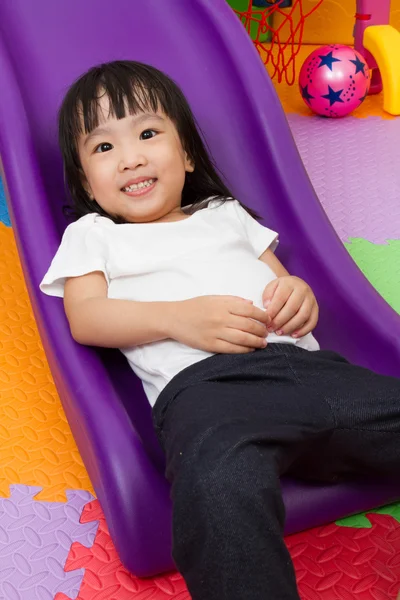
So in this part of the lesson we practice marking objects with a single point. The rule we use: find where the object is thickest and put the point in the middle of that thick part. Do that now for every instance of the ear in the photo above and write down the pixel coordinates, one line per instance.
(189, 165)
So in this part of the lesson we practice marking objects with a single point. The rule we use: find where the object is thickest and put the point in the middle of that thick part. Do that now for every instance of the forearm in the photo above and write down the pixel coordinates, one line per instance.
(112, 323)
(274, 263)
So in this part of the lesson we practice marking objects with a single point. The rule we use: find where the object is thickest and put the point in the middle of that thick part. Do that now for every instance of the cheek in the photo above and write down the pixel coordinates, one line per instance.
(100, 176)
(176, 172)
(177, 164)
(171, 155)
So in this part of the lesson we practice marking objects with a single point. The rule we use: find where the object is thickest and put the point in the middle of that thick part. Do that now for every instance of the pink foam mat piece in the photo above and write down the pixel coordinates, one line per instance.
(35, 540)
(354, 167)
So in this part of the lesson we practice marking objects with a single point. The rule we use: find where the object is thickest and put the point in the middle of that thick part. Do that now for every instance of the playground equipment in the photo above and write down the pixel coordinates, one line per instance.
(230, 92)
(282, 26)
(379, 43)
(276, 30)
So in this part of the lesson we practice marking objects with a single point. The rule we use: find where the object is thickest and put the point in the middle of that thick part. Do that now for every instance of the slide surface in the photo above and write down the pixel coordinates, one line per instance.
(383, 42)
(205, 48)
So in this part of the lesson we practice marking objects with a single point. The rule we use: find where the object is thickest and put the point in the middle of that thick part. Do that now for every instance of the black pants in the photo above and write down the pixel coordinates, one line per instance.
(232, 424)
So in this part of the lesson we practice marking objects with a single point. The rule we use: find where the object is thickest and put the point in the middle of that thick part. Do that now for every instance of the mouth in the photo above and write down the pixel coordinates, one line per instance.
(140, 188)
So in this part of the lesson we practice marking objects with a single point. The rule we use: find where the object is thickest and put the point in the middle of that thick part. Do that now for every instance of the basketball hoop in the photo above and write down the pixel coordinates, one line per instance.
(276, 28)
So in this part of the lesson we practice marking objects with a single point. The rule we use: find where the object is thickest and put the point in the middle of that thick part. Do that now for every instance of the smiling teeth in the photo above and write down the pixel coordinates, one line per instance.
(139, 186)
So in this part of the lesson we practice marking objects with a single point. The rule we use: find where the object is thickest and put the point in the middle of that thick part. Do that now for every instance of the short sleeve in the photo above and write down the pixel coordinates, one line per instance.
(260, 237)
(82, 250)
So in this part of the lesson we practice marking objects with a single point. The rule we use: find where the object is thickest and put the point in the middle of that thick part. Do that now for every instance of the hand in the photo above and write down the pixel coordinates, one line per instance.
(292, 306)
(219, 324)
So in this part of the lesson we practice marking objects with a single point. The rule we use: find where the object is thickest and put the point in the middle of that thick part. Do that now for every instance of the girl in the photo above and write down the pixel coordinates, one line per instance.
(164, 264)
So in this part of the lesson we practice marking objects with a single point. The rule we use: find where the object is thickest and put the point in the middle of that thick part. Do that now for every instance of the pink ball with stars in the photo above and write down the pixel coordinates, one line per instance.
(334, 80)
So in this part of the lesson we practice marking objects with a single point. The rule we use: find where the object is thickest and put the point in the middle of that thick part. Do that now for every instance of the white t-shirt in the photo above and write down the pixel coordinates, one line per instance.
(212, 252)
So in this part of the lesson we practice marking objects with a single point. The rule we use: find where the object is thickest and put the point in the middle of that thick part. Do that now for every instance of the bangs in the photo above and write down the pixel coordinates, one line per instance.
(129, 89)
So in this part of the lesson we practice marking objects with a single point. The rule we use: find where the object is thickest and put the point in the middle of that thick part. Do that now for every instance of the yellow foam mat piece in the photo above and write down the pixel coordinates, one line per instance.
(36, 444)
(293, 103)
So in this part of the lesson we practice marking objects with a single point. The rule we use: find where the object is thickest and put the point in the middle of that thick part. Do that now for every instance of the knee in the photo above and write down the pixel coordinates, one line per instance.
(243, 474)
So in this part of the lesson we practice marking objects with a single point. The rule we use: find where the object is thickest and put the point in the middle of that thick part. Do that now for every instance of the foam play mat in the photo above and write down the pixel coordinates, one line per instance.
(54, 541)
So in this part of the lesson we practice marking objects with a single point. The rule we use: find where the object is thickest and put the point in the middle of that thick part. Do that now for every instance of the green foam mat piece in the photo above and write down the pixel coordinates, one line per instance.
(381, 265)
(361, 521)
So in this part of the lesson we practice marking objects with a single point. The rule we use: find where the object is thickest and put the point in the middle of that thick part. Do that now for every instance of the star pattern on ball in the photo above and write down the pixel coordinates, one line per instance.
(306, 94)
(360, 65)
(333, 96)
(327, 60)
(340, 87)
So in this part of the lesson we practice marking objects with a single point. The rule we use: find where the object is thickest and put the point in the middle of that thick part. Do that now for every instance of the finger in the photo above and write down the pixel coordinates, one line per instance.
(269, 291)
(248, 326)
(260, 315)
(241, 338)
(281, 296)
(309, 326)
(240, 299)
(289, 310)
(227, 348)
(252, 312)
(298, 321)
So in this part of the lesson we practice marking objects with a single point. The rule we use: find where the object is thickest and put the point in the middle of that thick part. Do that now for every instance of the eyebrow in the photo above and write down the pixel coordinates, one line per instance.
(104, 130)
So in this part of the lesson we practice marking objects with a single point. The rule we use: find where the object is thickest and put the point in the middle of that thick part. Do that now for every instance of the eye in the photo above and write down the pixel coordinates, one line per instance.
(147, 134)
(104, 147)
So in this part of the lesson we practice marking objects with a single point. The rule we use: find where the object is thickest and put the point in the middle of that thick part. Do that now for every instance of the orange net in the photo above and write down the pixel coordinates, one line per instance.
(277, 32)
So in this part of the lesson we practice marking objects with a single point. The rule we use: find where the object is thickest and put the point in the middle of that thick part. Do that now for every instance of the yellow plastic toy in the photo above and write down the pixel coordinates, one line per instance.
(379, 43)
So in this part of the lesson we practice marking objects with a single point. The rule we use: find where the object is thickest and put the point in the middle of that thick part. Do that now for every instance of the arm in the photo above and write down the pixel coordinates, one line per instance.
(96, 320)
(226, 324)
(269, 258)
(289, 301)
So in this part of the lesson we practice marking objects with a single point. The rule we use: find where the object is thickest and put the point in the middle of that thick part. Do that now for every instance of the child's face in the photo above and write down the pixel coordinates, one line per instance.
(135, 167)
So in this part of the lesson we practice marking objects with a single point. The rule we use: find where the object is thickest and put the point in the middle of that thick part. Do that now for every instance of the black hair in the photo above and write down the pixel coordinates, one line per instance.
(135, 87)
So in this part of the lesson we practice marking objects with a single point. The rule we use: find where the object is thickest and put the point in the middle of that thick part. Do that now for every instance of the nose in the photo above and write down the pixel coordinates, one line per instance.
(131, 157)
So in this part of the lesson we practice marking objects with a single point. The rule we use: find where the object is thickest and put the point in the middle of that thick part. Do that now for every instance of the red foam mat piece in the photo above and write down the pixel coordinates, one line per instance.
(105, 577)
(331, 562)
(347, 563)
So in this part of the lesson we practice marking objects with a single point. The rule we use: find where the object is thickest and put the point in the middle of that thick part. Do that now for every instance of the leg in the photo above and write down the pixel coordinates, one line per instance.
(228, 519)
(366, 410)
(226, 445)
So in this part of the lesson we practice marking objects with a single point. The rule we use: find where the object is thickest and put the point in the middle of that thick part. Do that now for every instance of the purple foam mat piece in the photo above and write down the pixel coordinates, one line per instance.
(35, 540)
(353, 165)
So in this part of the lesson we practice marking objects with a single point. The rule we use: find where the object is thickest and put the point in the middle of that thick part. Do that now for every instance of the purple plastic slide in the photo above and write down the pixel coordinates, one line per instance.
(44, 45)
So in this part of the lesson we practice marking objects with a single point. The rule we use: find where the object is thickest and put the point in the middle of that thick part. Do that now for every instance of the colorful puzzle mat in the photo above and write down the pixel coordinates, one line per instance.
(54, 542)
